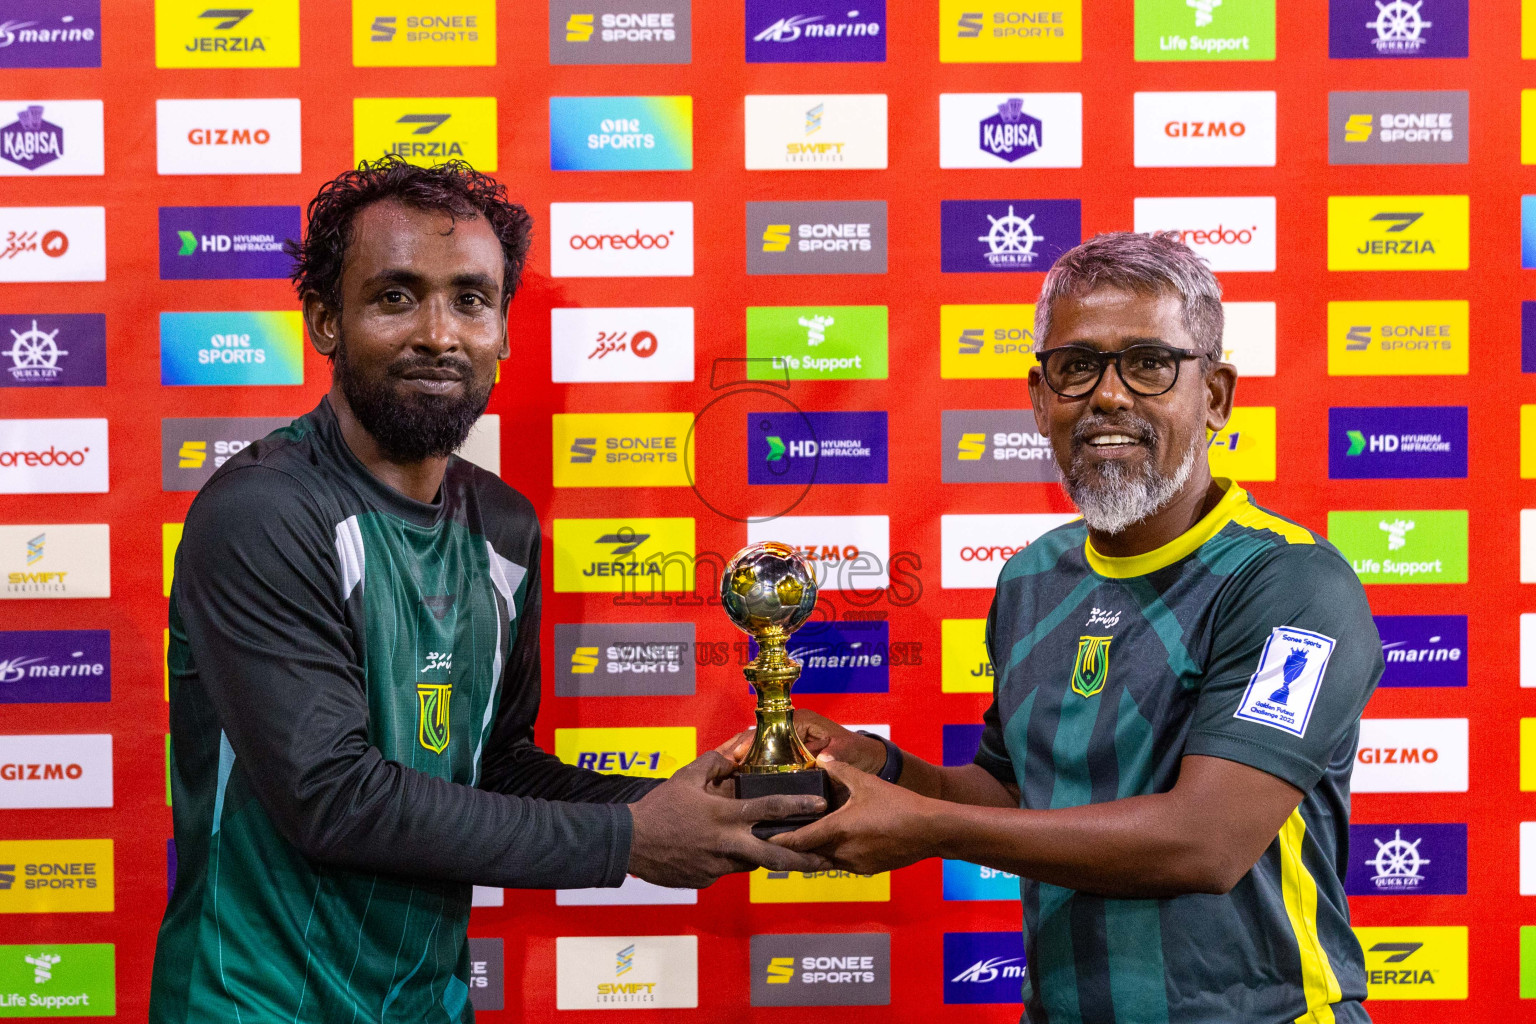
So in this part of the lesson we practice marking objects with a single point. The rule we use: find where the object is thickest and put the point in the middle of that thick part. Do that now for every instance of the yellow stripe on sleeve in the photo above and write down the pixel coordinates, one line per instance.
(1318, 982)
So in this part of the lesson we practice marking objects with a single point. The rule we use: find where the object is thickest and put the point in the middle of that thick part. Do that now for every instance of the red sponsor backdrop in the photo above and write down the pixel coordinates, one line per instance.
(134, 401)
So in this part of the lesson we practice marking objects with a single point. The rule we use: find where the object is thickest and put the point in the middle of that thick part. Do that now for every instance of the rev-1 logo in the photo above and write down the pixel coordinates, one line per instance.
(618, 760)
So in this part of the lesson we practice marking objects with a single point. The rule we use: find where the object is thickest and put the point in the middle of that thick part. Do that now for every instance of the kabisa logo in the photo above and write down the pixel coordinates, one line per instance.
(1407, 860)
(56, 876)
(1398, 233)
(618, 659)
(1423, 650)
(232, 348)
(53, 456)
(817, 342)
(1397, 127)
(986, 342)
(228, 136)
(995, 446)
(1397, 443)
(814, 31)
(1376, 338)
(621, 239)
(819, 447)
(844, 657)
(816, 238)
(984, 967)
(192, 34)
(610, 32)
(1397, 28)
(621, 133)
(1010, 133)
(391, 33)
(975, 547)
(992, 236)
(52, 137)
(652, 449)
(200, 243)
(1423, 962)
(54, 350)
(607, 344)
(1010, 31)
(53, 34)
(30, 141)
(191, 449)
(629, 555)
(1205, 30)
(847, 552)
(1229, 232)
(816, 131)
(650, 753)
(55, 666)
(426, 131)
(966, 665)
(58, 980)
(53, 243)
(1205, 129)
(1403, 546)
(1002, 130)
(845, 969)
(615, 973)
(1411, 755)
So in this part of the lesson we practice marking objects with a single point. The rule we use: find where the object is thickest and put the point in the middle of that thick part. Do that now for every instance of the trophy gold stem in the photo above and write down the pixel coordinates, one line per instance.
(772, 674)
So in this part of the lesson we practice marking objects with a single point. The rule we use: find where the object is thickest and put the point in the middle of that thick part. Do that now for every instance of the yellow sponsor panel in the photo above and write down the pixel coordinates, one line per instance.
(1528, 29)
(1528, 442)
(56, 876)
(1528, 755)
(1244, 449)
(170, 540)
(426, 130)
(1372, 339)
(1528, 124)
(614, 556)
(1398, 232)
(453, 33)
(1423, 962)
(165, 662)
(623, 449)
(966, 667)
(651, 753)
(990, 342)
(992, 32)
(818, 887)
(197, 34)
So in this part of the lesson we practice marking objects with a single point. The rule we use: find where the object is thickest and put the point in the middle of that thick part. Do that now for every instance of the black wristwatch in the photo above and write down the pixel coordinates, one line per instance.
(891, 771)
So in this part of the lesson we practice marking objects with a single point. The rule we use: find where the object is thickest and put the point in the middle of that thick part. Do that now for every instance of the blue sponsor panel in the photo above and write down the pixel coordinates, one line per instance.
(1398, 443)
(841, 657)
(55, 666)
(984, 967)
(1397, 29)
(233, 348)
(42, 350)
(820, 447)
(51, 34)
(961, 743)
(621, 133)
(990, 236)
(966, 881)
(814, 32)
(1528, 232)
(1423, 650)
(206, 243)
(1407, 860)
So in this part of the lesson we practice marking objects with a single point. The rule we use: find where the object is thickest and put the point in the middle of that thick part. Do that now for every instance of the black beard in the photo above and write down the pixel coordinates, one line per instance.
(410, 426)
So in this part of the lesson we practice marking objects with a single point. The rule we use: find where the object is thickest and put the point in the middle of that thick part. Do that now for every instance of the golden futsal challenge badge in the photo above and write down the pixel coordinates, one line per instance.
(433, 727)
(1092, 666)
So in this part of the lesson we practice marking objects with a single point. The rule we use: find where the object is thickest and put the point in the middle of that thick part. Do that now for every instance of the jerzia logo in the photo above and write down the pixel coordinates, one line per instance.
(1398, 233)
(191, 34)
(427, 131)
(434, 701)
(1091, 668)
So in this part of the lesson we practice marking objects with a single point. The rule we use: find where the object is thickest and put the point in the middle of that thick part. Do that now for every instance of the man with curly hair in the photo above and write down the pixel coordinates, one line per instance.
(355, 657)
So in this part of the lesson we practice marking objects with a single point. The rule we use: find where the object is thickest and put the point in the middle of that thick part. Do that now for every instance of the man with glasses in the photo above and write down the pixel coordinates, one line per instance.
(1179, 681)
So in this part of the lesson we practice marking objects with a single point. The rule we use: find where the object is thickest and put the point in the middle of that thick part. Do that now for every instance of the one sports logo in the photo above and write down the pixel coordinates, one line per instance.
(434, 700)
(1092, 665)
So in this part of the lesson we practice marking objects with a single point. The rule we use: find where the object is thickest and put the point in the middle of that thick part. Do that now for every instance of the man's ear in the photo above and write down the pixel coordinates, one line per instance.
(322, 323)
(1220, 391)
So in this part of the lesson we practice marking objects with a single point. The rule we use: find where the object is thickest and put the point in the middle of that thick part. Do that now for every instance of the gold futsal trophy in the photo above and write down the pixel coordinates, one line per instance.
(769, 590)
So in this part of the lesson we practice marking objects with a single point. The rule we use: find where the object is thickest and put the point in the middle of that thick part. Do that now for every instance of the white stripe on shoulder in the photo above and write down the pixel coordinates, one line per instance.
(349, 552)
(507, 576)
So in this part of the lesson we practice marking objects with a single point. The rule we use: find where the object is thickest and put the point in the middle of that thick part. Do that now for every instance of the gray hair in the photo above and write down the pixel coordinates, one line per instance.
(1148, 264)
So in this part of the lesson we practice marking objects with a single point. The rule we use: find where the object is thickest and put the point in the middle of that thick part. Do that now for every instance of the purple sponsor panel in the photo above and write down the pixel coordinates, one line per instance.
(1528, 337)
(984, 967)
(1394, 29)
(1397, 443)
(814, 31)
(841, 657)
(1007, 235)
(820, 447)
(51, 34)
(961, 743)
(59, 666)
(1407, 860)
(53, 350)
(1423, 650)
(203, 243)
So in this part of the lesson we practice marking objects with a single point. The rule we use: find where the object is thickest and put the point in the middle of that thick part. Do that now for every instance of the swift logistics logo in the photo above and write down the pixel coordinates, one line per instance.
(1397, 443)
(975, 547)
(843, 969)
(651, 449)
(1010, 31)
(601, 345)
(1007, 236)
(1393, 29)
(51, 138)
(51, 772)
(1407, 860)
(819, 447)
(63, 666)
(1205, 30)
(205, 243)
(1204, 129)
(53, 456)
(621, 239)
(1229, 232)
(53, 34)
(1398, 233)
(653, 753)
(1387, 338)
(232, 348)
(841, 657)
(624, 659)
(191, 449)
(228, 136)
(814, 32)
(611, 32)
(426, 130)
(193, 34)
(847, 552)
(1397, 127)
(966, 667)
(1423, 650)
(56, 876)
(822, 237)
(625, 555)
(53, 350)
(395, 34)
(1396, 546)
(1010, 130)
(57, 979)
(626, 972)
(994, 446)
(818, 342)
(986, 342)
(816, 131)
(52, 243)
(1419, 962)
(1247, 447)
(984, 967)
(832, 886)
(1411, 755)
(621, 133)
(56, 560)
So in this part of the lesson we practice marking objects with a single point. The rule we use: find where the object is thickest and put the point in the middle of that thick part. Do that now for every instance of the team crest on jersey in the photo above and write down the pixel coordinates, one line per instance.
(1092, 665)
(433, 728)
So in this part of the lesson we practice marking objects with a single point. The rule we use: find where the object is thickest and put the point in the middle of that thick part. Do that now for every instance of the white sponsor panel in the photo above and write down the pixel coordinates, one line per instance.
(53, 243)
(50, 137)
(620, 344)
(621, 239)
(1528, 858)
(1528, 650)
(55, 771)
(483, 445)
(626, 972)
(1528, 545)
(1248, 337)
(1205, 129)
(816, 132)
(849, 552)
(53, 456)
(246, 136)
(878, 729)
(975, 547)
(635, 892)
(1010, 129)
(1411, 755)
(55, 560)
(486, 896)
(1231, 232)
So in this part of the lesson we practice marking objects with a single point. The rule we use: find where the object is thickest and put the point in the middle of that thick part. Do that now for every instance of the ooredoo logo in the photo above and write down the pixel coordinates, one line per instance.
(228, 136)
(621, 239)
(1205, 129)
(53, 456)
(975, 547)
(1231, 232)
(1411, 755)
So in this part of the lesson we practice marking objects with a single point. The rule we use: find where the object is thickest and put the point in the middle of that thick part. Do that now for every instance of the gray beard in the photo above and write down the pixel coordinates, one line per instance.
(1124, 495)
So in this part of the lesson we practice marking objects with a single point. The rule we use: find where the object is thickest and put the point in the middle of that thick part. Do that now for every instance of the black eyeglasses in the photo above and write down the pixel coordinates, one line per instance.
(1073, 371)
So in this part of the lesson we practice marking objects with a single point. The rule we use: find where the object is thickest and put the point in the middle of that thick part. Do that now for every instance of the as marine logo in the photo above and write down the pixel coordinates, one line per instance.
(1092, 665)
(433, 728)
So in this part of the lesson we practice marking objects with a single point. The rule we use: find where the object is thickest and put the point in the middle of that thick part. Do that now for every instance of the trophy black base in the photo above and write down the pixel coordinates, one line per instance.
(810, 782)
